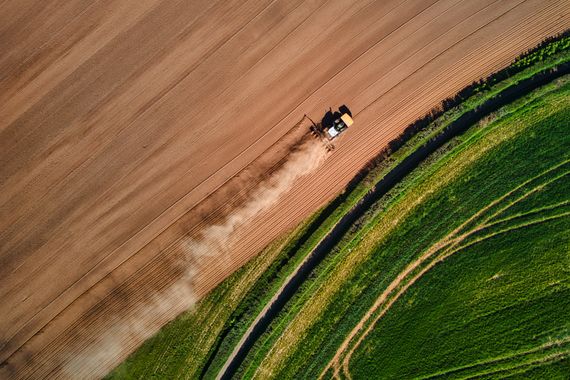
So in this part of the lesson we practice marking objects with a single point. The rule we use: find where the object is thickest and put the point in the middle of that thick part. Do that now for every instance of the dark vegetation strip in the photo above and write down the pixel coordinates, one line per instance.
(456, 128)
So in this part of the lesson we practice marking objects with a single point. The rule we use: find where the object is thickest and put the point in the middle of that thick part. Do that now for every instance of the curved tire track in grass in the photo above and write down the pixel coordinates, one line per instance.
(450, 250)
(448, 245)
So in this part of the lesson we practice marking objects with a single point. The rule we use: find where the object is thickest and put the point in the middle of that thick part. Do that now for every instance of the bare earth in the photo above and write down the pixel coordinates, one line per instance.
(117, 118)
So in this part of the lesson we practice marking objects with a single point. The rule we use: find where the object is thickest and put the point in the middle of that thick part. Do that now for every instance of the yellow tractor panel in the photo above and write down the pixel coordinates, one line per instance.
(347, 119)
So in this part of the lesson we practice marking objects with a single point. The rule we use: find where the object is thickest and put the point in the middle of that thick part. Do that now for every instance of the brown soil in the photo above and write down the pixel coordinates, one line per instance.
(118, 118)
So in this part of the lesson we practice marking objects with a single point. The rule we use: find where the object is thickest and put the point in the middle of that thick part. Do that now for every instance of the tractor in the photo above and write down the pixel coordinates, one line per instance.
(332, 125)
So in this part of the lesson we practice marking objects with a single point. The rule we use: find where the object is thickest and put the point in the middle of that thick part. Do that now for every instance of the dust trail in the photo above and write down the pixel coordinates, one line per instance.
(123, 333)
(216, 239)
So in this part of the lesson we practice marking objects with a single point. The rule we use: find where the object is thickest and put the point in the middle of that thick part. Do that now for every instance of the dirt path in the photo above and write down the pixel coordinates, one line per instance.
(117, 118)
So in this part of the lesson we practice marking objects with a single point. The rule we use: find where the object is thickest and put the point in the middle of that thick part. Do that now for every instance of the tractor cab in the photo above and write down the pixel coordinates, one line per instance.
(339, 125)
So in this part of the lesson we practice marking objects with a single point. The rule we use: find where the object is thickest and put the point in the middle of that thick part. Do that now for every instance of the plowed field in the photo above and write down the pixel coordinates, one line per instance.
(119, 121)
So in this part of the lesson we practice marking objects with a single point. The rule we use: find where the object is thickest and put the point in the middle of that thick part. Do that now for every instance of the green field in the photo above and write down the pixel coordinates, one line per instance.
(496, 306)
(500, 302)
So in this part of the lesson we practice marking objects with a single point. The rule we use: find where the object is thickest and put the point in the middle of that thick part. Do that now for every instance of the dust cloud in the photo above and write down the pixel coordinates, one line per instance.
(216, 239)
